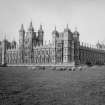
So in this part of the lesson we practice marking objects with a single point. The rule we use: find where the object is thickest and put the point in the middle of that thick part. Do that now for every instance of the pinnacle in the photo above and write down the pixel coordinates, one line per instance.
(22, 27)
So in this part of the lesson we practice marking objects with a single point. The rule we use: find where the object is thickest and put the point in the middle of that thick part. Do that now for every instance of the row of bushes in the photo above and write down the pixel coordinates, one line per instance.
(58, 68)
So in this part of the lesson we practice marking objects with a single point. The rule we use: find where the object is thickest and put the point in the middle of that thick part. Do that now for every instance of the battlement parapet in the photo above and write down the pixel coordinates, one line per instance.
(91, 47)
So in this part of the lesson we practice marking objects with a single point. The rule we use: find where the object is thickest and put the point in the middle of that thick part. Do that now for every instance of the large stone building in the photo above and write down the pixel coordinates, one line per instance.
(65, 49)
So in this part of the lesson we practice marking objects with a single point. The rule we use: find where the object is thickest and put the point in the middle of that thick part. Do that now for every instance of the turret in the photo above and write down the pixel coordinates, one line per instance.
(55, 35)
(40, 35)
(21, 37)
(76, 46)
(76, 35)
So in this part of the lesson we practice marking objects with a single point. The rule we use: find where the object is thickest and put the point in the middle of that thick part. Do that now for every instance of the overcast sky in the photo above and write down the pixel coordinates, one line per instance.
(87, 15)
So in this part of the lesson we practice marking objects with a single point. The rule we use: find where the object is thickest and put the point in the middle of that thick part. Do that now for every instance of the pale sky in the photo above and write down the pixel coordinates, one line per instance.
(87, 15)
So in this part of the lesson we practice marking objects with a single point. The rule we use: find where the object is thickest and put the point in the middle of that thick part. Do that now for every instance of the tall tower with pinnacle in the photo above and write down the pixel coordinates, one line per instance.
(21, 37)
(55, 36)
(40, 35)
(68, 50)
(76, 46)
(29, 43)
(21, 43)
(29, 36)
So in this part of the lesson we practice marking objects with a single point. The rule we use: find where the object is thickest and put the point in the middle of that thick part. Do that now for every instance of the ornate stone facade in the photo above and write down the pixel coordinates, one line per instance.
(65, 48)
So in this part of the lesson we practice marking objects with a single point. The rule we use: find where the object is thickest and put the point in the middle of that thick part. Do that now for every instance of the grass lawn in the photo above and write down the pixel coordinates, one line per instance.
(26, 86)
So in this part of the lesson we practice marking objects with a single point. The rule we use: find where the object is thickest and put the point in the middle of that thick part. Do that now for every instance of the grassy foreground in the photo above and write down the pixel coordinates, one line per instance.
(25, 86)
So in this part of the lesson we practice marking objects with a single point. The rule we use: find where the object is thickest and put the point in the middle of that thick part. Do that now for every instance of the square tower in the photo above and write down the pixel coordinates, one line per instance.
(68, 50)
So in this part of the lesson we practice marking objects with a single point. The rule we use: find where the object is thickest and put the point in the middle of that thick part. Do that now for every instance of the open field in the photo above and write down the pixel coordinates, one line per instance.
(26, 86)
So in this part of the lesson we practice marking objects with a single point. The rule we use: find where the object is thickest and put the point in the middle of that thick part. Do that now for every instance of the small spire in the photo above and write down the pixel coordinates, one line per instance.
(5, 36)
(55, 28)
(31, 27)
(76, 32)
(22, 27)
(98, 41)
(55, 31)
(67, 26)
(41, 27)
(31, 24)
